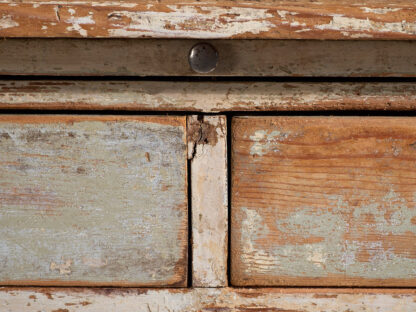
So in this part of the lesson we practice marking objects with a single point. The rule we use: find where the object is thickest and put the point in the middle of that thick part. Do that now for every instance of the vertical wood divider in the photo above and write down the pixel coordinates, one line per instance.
(207, 150)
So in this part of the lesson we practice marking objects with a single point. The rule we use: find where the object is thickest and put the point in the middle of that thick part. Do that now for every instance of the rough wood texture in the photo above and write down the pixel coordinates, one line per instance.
(93, 200)
(285, 19)
(206, 300)
(289, 58)
(217, 96)
(323, 201)
(207, 149)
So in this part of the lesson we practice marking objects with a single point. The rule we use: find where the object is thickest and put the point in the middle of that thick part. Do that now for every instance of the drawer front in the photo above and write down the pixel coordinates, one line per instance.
(93, 200)
(323, 201)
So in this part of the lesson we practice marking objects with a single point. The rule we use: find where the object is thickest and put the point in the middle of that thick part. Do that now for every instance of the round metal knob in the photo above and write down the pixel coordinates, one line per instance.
(203, 58)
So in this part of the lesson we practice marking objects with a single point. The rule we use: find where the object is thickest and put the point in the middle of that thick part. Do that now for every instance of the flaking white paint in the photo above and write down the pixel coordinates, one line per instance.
(6, 21)
(186, 20)
(351, 24)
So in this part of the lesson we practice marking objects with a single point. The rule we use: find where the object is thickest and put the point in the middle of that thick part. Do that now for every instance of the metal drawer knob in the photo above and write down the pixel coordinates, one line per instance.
(203, 58)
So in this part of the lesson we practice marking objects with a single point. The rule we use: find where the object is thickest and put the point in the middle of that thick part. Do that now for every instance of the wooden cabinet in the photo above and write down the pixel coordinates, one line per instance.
(138, 172)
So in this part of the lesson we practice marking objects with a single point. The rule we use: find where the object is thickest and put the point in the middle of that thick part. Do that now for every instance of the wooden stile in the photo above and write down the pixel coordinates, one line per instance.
(207, 150)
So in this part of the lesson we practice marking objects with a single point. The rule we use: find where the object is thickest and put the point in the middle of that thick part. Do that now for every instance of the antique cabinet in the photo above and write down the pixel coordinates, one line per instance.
(207, 155)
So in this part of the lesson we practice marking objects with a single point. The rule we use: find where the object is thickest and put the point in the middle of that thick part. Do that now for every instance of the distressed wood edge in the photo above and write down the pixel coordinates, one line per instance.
(327, 19)
(206, 299)
(179, 121)
(207, 151)
(218, 96)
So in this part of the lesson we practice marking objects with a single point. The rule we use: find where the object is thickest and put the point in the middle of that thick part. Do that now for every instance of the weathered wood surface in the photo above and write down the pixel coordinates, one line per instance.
(299, 19)
(217, 96)
(207, 149)
(93, 200)
(206, 300)
(323, 201)
(289, 58)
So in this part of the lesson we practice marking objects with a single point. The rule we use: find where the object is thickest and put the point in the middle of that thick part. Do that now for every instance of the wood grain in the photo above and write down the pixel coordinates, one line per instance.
(206, 300)
(207, 149)
(93, 200)
(207, 19)
(218, 96)
(286, 58)
(323, 201)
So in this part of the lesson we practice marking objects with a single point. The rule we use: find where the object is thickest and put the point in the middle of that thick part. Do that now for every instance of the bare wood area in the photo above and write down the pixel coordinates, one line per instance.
(323, 201)
(93, 200)
(208, 19)
(260, 58)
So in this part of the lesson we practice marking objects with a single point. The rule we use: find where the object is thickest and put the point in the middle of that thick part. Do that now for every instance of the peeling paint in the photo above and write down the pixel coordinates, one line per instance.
(64, 268)
(351, 24)
(265, 142)
(188, 21)
(211, 19)
(6, 21)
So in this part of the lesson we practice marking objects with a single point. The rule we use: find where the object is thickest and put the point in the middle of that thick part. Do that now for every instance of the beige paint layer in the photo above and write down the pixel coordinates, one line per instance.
(208, 146)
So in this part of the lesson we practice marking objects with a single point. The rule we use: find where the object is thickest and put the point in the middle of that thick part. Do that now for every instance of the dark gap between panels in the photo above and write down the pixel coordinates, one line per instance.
(309, 79)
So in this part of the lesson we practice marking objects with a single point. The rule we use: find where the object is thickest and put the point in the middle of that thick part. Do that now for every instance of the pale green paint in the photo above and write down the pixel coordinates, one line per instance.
(96, 209)
(334, 254)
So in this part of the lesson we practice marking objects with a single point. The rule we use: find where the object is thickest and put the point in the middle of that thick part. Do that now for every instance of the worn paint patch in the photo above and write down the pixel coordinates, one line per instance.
(351, 24)
(265, 142)
(7, 21)
(192, 22)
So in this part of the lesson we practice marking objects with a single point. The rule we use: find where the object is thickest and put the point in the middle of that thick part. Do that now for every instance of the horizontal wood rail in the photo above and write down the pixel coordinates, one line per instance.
(208, 19)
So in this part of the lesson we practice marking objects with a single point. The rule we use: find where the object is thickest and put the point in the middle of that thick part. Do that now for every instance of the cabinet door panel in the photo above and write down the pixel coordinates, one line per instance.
(93, 200)
(323, 201)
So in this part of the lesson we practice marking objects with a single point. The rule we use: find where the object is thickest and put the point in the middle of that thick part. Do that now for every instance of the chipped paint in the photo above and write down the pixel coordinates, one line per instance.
(6, 21)
(348, 25)
(77, 22)
(380, 10)
(188, 21)
(63, 268)
(265, 142)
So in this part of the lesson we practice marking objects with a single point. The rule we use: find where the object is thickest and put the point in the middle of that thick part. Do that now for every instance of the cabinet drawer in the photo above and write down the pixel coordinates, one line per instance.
(93, 200)
(323, 201)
